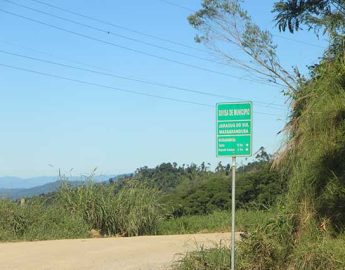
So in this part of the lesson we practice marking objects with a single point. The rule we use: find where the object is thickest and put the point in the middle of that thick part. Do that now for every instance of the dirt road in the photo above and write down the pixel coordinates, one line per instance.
(135, 253)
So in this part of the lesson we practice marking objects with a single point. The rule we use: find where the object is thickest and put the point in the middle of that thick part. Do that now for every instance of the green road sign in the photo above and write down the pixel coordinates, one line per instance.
(234, 129)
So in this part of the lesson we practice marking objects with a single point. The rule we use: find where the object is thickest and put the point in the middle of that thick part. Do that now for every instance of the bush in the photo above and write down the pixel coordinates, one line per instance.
(217, 258)
(134, 210)
(36, 221)
(218, 221)
(138, 210)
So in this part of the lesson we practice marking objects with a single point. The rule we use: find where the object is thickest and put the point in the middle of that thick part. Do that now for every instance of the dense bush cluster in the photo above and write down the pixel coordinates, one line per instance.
(73, 212)
(196, 190)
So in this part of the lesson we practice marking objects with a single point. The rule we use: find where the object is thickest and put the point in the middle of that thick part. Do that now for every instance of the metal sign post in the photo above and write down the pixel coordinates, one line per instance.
(234, 138)
(233, 213)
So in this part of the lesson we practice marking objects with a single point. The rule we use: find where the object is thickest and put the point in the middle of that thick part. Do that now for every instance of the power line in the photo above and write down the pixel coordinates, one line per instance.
(108, 32)
(114, 88)
(132, 50)
(101, 85)
(298, 41)
(150, 35)
(117, 25)
(177, 5)
(50, 55)
(135, 80)
(105, 31)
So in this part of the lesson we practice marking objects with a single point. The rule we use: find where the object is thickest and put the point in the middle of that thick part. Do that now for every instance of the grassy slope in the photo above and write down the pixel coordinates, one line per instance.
(215, 222)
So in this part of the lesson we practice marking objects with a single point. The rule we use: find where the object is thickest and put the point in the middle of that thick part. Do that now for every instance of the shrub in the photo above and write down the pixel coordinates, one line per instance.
(37, 221)
(134, 210)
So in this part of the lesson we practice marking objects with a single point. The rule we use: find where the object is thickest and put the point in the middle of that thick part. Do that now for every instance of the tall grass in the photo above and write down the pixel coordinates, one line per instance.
(217, 258)
(133, 210)
(219, 221)
(37, 221)
(95, 203)
(138, 210)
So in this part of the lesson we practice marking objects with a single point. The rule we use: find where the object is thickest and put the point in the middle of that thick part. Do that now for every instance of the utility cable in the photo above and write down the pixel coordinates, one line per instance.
(177, 5)
(132, 50)
(114, 88)
(108, 32)
(269, 105)
(116, 25)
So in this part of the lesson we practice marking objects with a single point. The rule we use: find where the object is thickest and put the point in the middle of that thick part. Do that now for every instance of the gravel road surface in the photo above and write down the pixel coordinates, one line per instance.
(134, 253)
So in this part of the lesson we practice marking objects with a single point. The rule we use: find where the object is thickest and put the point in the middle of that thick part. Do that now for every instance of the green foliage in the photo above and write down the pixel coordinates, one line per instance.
(268, 245)
(138, 210)
(212, 192)
(258, 187)
(215, 222)
(328, 14)
(74, 211)
(312, 217)
(37, 221)
(217, 258)
(308, 233)
(260, 252)
(134, 210)
(164, 177)
(319, 253)
(317, 171)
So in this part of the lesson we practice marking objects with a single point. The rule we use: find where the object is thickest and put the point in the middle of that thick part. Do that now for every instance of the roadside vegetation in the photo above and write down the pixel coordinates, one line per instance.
(218, 221)
(167, 199)
(74, 212)
(308, 230)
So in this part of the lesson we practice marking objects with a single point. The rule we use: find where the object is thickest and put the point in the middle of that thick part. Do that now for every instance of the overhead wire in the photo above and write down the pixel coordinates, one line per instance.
(102, 21)
(150, 35)
(199, 92)
(266, 104)
(133, 50)
(105, 31)
(100, 85)
(114, 88)
(177, 5)
(109, 32)
(298, 41)
(49, 54)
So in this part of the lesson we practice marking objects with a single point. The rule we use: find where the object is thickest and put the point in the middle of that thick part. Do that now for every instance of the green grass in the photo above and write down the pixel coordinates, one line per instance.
(246, 220)
(217, 258)
(73, 212)
(37, 221)
(260, 253)
(132, 211)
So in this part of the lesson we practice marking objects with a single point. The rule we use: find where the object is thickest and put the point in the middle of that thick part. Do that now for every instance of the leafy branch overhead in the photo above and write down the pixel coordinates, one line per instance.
(225, 28)
(316, 14)
(321, 16)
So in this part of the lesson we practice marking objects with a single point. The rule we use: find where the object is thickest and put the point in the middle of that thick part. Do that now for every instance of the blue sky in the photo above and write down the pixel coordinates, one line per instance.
(68, 125)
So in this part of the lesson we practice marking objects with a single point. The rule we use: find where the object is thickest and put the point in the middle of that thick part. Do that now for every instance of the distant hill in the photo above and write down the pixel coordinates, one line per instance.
(17, 193)
(16, 188)
(11, 182)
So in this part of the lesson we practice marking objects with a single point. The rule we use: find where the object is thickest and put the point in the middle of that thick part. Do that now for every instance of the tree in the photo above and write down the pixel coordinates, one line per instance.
(223, 25)
(316, 14)
(326, 16)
